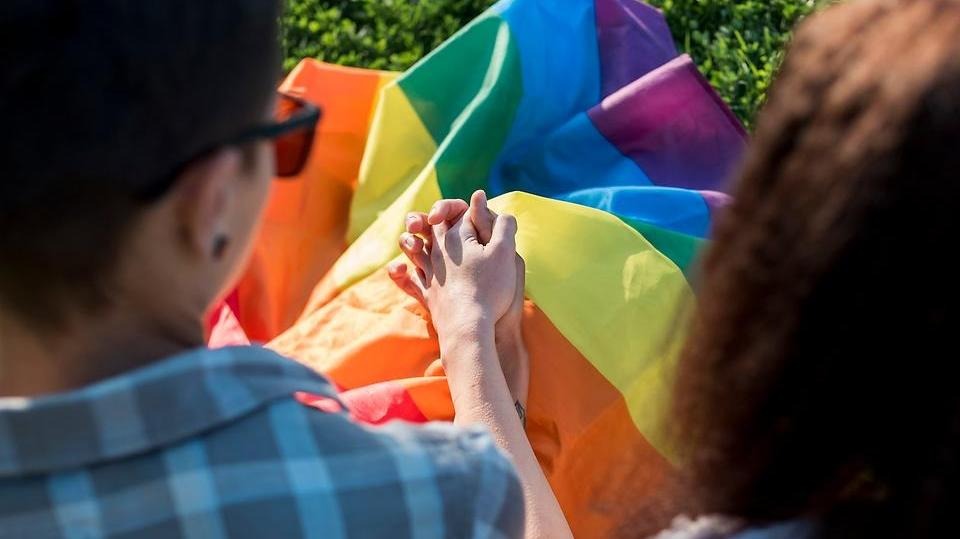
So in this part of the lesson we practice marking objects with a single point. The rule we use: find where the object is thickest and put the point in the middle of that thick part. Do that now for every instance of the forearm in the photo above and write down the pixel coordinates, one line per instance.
(481, 396)
(514, 361)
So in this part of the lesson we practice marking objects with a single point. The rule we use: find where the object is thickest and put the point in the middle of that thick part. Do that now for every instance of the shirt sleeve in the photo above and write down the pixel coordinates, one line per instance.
(481, 491)
(499, 502)
(405, 480)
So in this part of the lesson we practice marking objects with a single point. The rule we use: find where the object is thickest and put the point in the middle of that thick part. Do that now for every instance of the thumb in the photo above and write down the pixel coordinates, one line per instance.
(504, 236)
(481, 217)
(468, 232)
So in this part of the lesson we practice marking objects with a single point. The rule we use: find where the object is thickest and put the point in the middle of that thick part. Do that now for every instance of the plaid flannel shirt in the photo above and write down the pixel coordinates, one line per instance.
(212, 444)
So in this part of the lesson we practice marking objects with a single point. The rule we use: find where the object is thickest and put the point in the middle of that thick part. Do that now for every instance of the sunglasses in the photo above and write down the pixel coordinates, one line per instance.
(292, 133)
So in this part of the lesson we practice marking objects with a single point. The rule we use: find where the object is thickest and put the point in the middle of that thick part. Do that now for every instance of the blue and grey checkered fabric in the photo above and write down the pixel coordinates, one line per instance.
(212, 444)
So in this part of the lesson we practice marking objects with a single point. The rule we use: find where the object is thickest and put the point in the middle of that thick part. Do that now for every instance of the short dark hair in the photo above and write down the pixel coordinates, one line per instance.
(98, 99)
(819, 377)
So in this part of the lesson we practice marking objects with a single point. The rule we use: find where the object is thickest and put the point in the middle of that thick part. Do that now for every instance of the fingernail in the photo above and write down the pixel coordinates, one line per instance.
(408, 241)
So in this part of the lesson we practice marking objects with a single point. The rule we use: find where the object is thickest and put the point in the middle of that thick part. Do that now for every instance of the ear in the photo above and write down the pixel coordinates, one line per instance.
(202, 199)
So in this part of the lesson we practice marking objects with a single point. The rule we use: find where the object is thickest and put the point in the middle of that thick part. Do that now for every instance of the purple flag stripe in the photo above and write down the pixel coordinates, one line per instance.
(675, 127)
(634, 39)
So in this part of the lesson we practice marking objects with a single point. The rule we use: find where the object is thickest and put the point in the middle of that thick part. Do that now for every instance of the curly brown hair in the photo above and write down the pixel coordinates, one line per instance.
(818, 379)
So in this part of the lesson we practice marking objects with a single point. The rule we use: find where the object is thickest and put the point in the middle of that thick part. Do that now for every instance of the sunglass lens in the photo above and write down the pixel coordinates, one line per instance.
(292, 149)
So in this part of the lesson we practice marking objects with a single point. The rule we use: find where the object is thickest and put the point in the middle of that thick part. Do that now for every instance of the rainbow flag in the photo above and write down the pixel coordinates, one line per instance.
(609, 147)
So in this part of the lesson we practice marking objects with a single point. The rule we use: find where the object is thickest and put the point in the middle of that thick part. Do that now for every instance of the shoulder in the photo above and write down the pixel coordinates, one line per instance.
(437, 479)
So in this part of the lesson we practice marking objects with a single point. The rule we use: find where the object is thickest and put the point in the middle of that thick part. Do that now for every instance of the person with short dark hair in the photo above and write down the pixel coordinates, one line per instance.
(139, 142)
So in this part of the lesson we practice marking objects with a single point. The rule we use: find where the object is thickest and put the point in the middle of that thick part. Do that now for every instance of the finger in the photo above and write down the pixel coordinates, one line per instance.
(435, 369)
(398, 273)
(521, 279)
(413, 247)
(504, 236)
(437, 243)
(447, 210)
(466, 231)
(397, 270)
(416, 223)
(482, 217)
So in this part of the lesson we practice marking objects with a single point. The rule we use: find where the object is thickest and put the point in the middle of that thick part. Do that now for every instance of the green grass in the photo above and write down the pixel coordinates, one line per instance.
(738, 44)
(379, 34)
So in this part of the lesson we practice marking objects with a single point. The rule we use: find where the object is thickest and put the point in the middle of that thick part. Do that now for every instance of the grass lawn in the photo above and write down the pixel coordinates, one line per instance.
(737, 43)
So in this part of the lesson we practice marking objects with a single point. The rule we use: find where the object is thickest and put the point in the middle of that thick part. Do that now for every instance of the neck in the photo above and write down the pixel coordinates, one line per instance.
(36, 362)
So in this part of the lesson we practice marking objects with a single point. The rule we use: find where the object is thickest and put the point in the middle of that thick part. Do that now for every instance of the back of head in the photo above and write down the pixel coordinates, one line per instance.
(818, 376)
(100, 101)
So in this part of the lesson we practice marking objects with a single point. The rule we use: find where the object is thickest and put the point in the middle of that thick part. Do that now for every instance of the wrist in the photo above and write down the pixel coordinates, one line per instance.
(514, 362)
(465, 341)
(509, 338)
(471, 362)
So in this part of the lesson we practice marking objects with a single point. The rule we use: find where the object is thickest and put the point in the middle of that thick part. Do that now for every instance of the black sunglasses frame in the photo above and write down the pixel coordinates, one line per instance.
(306, 118)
